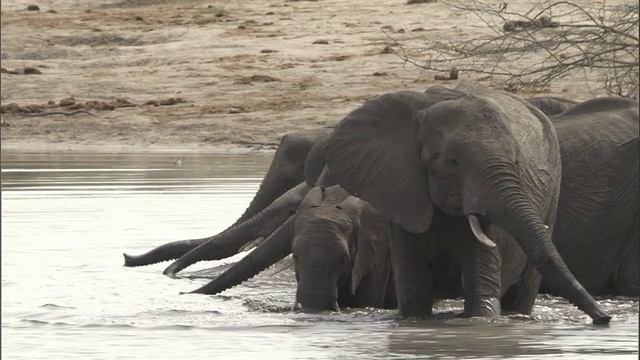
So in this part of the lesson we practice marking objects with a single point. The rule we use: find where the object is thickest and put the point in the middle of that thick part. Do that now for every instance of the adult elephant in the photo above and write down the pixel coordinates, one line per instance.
(276, 198)
(340, 251)
(597, 226)
(279, 194)
(462, 174)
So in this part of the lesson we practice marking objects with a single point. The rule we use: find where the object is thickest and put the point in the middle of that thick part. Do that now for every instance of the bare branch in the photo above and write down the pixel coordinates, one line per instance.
(598, 43)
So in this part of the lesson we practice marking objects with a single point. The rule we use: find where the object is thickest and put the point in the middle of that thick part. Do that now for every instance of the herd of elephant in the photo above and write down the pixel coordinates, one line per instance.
(468, 192)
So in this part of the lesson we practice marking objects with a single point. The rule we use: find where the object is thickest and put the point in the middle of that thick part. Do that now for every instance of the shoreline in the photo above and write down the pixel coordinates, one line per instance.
(122, 149)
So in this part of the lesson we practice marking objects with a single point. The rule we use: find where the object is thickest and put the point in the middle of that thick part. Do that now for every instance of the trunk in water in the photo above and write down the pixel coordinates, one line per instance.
(230, 241)
(276, 247)
(168, 251)
(519, 219)
(316, 294)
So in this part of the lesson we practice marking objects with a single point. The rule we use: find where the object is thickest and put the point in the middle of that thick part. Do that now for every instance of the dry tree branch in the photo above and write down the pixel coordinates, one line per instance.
(599, 43)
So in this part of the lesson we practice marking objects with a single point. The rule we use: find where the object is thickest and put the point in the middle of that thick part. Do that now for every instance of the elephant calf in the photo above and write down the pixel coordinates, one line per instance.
(340, 249)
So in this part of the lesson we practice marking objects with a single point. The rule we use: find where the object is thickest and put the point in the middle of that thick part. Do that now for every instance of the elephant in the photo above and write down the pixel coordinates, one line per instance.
(340, 253)
(597, 224)
(286, 170)
(472, 172)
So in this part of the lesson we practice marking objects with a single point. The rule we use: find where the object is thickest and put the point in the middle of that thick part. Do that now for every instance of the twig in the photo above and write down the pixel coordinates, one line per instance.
(599, 43)
(58, 113)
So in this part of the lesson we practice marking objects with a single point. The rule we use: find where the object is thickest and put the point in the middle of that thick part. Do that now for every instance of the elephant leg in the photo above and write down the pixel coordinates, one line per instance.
(390, 298)
(411, 273)
(521, 296)
(628, 281)
(481, 281)
(480, 266)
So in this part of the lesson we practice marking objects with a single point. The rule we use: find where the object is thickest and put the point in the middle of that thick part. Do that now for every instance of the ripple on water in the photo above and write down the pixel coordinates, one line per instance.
(57, 307)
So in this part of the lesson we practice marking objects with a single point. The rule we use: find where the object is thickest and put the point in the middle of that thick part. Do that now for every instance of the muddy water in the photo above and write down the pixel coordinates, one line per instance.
(66, 220)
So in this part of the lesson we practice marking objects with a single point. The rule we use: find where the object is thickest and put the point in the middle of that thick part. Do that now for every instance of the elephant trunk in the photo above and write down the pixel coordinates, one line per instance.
(516, 215)
(275, 247)
(316, 294)
(315, 162)
(168, 251)
(230, 241)
(286, 170)
(261, 200)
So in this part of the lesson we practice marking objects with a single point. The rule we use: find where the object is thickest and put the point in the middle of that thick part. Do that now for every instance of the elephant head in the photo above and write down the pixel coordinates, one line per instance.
(475, 152)
(335, 247)
(340, 251)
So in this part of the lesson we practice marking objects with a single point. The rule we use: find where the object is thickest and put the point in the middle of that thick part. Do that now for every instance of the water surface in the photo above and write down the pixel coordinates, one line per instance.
(66, 219)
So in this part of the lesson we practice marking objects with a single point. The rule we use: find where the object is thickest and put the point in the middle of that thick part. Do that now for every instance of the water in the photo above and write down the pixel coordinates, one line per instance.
(66, 219)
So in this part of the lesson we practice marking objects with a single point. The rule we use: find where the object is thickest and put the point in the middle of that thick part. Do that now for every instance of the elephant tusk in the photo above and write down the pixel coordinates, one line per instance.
(284, 264)
(336, 307)
(251, 244)
(478, 233)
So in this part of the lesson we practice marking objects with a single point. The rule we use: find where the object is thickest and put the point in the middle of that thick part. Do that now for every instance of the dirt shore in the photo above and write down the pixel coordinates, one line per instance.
(208, 76)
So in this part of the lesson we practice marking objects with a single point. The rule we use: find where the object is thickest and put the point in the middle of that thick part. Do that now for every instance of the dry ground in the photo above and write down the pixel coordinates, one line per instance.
(207, 76)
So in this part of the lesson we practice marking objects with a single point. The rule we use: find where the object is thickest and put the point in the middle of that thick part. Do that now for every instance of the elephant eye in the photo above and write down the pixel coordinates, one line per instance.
(452, 162)
(344, 259)
(435, 157)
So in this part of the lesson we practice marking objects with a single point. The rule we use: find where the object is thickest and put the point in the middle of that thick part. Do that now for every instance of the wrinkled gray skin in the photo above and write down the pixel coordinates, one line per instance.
(340, 250)
(276, 200)
(598, 213)
(550, 105)
(443, 163)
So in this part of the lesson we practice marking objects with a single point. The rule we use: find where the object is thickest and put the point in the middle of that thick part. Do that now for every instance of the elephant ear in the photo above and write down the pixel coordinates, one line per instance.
(351, 205)
(374, 154)
(313, 198)
(372, 259)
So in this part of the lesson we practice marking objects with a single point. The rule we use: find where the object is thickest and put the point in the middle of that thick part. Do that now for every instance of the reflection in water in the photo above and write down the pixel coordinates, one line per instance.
(511, 340)
(66, 219)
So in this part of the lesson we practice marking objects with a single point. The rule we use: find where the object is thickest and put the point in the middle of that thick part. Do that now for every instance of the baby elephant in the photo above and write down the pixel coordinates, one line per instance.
(340, 249)
(341, 253)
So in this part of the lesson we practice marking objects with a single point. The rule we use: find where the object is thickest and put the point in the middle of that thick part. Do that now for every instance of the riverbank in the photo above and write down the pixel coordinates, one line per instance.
(189, 76)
